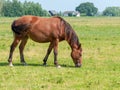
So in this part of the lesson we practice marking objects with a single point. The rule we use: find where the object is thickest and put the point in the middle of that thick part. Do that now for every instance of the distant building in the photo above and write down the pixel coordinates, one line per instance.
(71, 13)
(53, 12)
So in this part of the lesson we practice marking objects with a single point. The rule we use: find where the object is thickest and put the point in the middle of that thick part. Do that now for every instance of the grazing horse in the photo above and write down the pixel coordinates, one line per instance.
(42, 30)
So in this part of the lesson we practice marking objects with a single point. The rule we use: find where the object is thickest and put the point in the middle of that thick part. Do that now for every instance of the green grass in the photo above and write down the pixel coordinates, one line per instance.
(100, 38)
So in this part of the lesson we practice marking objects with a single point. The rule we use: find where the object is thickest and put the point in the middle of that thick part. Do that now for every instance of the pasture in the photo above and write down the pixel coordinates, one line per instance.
(100, 38)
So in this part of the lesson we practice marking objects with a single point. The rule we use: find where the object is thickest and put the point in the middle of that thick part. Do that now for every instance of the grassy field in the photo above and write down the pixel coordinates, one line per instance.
(100, 38)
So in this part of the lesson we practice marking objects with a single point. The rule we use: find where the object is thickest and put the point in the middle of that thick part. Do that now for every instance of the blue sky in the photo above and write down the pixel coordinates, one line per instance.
(68, 5)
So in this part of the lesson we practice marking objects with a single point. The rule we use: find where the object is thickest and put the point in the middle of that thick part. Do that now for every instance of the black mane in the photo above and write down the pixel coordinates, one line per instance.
(70, 34)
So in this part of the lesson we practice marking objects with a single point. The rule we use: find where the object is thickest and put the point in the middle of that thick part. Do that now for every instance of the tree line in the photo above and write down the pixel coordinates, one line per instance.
(88, 9)
(14, 8)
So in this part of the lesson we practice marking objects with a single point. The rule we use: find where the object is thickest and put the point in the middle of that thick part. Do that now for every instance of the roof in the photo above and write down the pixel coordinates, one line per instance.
(73, 12)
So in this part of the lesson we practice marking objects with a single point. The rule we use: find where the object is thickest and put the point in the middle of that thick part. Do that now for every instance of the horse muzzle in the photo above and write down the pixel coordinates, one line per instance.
(78, 65)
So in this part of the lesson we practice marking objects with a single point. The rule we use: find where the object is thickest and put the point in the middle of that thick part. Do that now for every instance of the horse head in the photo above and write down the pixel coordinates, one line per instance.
(76, 55)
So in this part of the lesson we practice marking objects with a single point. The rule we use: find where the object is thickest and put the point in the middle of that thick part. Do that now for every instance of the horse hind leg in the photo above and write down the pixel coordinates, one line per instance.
(21, 49)
(12, 48)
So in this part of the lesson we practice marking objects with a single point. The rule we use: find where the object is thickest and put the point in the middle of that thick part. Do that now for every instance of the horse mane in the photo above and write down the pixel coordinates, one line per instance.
(70, 34)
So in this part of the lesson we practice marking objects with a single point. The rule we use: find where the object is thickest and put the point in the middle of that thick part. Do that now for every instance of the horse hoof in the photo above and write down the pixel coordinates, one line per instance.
(44, 64)
(24, 63)
(10, 64)
(58, 66)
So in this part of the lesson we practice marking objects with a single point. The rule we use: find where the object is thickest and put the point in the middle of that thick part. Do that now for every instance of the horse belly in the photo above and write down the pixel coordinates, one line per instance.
(40, 37)
(44, 32)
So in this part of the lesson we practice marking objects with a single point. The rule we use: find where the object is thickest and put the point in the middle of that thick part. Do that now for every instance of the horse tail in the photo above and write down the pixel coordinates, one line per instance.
(18, 28)
(14, 28)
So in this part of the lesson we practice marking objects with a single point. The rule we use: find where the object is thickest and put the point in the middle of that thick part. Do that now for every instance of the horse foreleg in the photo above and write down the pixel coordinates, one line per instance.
(21, 48)
(56, 53)
(12, 48)
(48, 53)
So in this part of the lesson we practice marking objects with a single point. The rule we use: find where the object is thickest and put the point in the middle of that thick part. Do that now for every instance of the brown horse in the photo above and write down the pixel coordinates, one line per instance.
(42, 30)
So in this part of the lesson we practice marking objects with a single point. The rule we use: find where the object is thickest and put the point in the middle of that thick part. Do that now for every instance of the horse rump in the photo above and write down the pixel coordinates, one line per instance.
(19, 28)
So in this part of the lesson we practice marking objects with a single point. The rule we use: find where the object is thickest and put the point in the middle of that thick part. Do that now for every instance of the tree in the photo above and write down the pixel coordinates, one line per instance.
(6, 8)
(87, 8)
(31, 8)
(13, 8)
(1, 6)
(112, 11)
(17, 8)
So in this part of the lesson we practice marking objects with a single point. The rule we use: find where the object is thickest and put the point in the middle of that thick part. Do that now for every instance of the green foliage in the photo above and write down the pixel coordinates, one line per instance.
(1, 6)
(16, 8)
(32, 9)
(88, 8)
(112, 11)
(100, 38)
(12, 9)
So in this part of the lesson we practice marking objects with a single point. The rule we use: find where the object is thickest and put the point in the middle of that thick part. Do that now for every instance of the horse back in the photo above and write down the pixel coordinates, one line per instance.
(38, 28)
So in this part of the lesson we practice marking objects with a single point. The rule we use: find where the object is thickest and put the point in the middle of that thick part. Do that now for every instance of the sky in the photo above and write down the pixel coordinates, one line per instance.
(70, 5)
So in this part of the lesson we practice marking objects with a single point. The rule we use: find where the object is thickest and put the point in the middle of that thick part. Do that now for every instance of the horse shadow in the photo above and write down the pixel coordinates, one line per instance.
(36, 65)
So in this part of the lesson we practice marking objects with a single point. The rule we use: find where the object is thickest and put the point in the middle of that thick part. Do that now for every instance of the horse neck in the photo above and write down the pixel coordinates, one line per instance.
(70, 35)
(72, 38)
